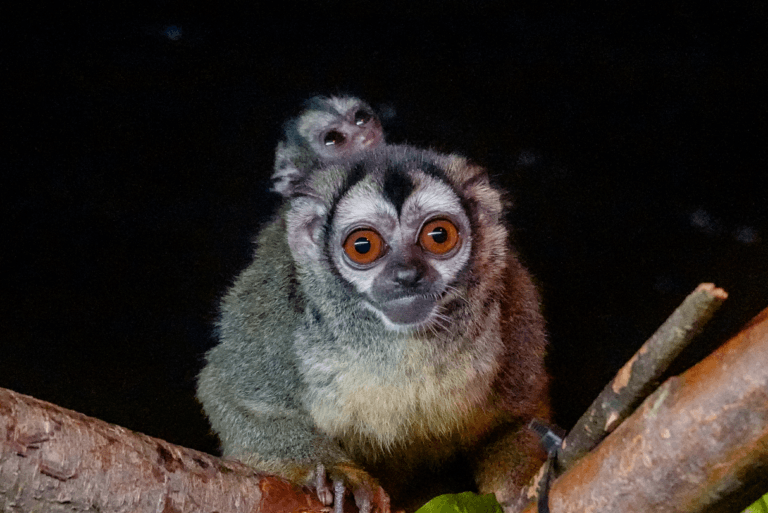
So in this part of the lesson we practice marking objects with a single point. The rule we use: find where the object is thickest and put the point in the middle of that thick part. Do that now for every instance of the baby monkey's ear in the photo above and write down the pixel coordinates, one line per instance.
(287, 173)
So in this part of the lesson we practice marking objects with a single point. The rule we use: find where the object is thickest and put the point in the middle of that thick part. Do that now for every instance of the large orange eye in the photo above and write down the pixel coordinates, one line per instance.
(364, 246)
(439, 236)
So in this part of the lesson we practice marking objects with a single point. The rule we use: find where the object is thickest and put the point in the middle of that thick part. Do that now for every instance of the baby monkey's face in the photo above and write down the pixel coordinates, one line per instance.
(340, 128)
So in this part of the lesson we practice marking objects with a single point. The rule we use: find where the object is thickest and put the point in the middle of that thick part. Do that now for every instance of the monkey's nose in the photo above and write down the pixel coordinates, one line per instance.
(407, 276)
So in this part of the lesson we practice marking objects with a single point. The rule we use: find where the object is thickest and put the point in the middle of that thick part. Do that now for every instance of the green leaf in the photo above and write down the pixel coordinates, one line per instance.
(761, 506)
(466, 502)
(469, 502)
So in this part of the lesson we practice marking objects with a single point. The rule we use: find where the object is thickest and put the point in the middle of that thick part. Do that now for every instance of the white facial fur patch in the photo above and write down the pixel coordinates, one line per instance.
(363, 205)
(343, 104)
(433, 196)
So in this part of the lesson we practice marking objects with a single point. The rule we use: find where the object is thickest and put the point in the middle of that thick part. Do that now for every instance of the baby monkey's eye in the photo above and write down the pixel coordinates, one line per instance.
(439, 236)
(333, 138)
(364, 246)
(362, 117)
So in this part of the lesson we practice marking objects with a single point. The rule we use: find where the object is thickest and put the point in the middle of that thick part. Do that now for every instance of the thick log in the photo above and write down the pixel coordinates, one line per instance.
(697, 444)
(56, 460)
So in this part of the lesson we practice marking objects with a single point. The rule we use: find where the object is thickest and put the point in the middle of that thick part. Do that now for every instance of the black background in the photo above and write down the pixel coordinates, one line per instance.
(632, 141)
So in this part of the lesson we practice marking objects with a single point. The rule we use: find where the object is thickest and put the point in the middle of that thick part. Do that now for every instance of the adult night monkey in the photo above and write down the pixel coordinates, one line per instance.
(384, 335)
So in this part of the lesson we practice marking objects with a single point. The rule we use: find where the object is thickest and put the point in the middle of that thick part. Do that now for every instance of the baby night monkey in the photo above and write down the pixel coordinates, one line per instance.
(328, 130)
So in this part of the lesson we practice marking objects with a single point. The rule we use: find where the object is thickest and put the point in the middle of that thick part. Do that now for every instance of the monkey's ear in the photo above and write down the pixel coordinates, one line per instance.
(286, 174)
(305, 227)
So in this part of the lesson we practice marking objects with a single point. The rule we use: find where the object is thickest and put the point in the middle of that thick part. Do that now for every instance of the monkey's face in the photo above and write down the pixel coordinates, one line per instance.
(339, 128)
(396, 232)
(401, 245)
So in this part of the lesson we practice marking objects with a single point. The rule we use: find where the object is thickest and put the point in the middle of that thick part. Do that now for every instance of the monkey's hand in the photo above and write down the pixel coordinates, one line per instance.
(333, 483)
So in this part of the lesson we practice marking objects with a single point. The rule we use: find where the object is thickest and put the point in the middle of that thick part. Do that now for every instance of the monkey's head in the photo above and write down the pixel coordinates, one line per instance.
(336, 128)
(394, 233)
(329, 130)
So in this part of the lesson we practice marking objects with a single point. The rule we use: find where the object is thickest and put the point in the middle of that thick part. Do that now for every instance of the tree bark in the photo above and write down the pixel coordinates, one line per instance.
(698, 444)
(56, 460)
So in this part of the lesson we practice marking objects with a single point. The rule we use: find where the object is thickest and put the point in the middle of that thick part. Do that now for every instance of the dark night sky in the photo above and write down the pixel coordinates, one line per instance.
(135, 164)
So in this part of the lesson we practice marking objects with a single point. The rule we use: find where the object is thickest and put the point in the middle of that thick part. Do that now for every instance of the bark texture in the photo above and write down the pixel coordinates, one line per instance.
(56, 460)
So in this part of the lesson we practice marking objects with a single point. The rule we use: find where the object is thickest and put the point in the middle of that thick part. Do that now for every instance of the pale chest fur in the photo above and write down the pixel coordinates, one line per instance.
(417, 398)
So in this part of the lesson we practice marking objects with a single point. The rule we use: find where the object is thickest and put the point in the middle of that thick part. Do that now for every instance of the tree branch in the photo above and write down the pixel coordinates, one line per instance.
(638, 377)
(56, 460)
(697, 444)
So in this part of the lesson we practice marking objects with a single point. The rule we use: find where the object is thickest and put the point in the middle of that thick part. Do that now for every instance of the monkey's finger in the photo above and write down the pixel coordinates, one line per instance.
(324, 492)
(363, 500)
(338, 500)
(371, 500)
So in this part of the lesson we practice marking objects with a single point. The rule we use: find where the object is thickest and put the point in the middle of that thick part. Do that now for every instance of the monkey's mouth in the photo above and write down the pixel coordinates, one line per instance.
(407, 311)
